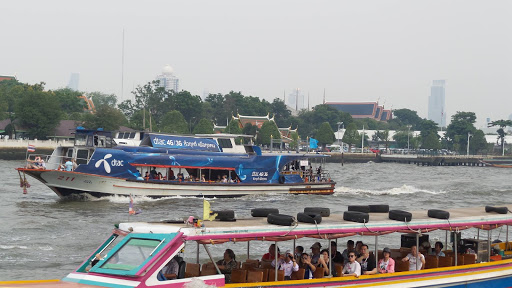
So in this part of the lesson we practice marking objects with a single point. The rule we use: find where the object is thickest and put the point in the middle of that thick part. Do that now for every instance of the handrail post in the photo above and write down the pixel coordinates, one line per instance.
(211, 258)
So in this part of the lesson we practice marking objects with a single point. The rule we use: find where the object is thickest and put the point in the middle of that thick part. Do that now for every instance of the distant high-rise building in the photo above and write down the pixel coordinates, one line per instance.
(296, 100)
(436, 103)
(73, 81)
(168, 80)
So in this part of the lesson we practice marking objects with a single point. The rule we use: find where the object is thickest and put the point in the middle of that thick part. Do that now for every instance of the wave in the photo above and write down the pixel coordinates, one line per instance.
(8, 247)
(126, 199)
(404, 189)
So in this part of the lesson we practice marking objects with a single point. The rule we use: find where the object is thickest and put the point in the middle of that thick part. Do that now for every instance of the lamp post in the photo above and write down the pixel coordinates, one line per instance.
(408, 133)
(467, 153)
(190, 124)
(362, 142)
(339, 124)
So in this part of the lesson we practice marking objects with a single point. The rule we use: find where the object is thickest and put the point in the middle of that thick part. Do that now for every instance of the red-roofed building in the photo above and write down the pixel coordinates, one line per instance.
(2, 78)
(362, 110)
(254, 120)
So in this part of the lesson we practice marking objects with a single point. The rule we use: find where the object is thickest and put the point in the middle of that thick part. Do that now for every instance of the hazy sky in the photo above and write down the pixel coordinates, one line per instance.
(355, 50)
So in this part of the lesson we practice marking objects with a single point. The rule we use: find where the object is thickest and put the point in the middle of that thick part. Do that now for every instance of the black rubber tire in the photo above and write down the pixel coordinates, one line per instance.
(359, 208)
(280, 219)
(356, 216)
(438, 214)
(324, 212)
(499, 210)
(400, 215)
(309, 218)
(224, 214)
(282, 179)
(379, 208)
(263, 212)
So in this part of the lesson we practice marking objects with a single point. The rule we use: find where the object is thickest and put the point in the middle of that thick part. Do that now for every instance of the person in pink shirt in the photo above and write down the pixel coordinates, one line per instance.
(386, 264)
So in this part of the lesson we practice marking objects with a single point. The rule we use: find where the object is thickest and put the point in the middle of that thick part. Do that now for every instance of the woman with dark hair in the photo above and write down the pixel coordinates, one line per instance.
(227, 264)
(323, 262)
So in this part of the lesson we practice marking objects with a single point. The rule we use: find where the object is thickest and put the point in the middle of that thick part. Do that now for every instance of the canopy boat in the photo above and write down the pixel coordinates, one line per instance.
(205, 165)
(135, 253)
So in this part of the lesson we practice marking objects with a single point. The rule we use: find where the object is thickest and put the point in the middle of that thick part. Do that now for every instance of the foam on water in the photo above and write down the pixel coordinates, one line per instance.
(404, 189)
(8, 247)
(120, 199)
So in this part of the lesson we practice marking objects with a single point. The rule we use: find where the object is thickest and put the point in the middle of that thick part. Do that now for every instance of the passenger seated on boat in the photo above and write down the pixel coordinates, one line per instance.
(305, 263)
(359, 244)
(298, 252)
(171, 175)
(350, 247)
(438, 250)
(227, 264)
(170, 270)
(202, 178)
(323, 262)
(68, 165)
(160, 176)
(425, 248)
(146, 176)
(153, 173)
(271, 255)
(180, 176)
(386, 264)
(286, 263)
(224, 179)
(352, 267)
(335, 254)
(94, 261)
(315, 252)
(367, 261)
(414, 257)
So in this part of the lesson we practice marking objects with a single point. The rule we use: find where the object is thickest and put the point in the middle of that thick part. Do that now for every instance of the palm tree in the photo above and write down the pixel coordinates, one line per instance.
(501, 132)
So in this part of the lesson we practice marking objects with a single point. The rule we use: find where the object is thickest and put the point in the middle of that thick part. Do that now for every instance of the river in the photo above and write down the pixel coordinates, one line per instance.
(44, 237)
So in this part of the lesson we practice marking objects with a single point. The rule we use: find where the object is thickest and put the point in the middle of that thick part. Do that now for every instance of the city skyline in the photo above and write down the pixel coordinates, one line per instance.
(354, 51)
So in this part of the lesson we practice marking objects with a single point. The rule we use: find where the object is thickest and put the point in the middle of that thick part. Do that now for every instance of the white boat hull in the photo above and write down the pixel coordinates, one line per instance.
(66, 184)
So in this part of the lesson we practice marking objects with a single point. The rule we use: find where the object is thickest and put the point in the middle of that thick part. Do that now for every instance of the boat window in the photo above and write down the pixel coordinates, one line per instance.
(80, 139)
(132, 135)
(225, 143)
(133, 253)
(82, 156)
(120, 135)
(70, 153)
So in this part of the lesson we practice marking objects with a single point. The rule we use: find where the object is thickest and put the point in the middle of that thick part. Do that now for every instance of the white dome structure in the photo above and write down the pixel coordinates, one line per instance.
(167, 70)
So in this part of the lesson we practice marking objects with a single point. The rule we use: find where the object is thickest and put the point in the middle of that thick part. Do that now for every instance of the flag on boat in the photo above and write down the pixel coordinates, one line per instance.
(31, 148)
(313, 143)
(131, 211)
(207, 211)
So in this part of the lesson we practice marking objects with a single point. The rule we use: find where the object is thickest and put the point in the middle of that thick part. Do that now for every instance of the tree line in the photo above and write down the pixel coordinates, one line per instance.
(39, 111)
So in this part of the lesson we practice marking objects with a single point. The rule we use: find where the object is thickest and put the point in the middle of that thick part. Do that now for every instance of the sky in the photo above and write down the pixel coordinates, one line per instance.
(359, 50)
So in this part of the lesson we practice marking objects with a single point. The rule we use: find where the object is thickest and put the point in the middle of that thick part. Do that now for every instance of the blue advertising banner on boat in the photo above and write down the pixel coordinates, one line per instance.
(180, 142)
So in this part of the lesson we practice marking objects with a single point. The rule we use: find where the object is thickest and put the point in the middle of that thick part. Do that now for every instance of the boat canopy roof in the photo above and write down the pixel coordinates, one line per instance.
(331, 227)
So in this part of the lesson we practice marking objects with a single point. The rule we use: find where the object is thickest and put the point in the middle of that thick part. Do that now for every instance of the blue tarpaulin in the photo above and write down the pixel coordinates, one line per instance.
(313, 143)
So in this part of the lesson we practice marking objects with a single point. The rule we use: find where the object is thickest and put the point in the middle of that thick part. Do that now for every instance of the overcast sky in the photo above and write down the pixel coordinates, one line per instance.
(355, 50)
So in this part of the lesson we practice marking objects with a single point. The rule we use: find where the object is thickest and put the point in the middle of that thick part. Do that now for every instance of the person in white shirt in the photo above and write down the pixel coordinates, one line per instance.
(287, 263)
(352, 268)
(414, 257)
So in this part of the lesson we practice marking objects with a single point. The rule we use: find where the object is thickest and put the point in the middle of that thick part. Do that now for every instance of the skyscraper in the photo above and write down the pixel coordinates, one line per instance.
(436, 103)
(296, 99)
(168, 80)
(73, 81)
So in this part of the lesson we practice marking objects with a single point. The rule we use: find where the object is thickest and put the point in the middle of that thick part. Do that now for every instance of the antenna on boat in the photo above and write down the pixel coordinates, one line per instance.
(122, 69)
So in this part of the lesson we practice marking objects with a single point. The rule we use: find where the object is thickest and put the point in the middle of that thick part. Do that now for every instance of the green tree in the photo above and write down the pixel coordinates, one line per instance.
(431, 141)
(478, 143)
(106, 117)
(268, 128)
(501, 131)
(458, 130)
(69, 101)
(295, 140)
(383, 136)
(400, 138)
(204, 126)
(233, 127)
(38, 111)
(100, 99)
(325, 135)
(407, 117)
(150, 98)
(351, 136)
(250, 129)
(174, 122)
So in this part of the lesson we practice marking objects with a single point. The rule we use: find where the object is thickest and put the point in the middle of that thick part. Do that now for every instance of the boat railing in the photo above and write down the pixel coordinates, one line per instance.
(51, 162)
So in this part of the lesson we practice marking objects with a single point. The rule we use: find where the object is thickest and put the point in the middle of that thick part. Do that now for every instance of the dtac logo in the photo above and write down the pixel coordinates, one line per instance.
(106, 165)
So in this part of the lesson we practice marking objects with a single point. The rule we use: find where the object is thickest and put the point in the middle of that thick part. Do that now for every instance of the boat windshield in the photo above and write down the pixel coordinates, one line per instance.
(132, 253)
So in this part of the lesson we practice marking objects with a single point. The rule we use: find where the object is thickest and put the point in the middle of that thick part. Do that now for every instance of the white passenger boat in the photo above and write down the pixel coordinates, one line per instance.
(135, 253)
(205, 166)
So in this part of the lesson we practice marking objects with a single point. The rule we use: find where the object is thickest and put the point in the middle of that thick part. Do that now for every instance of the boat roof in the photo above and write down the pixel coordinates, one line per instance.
(331, 227)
